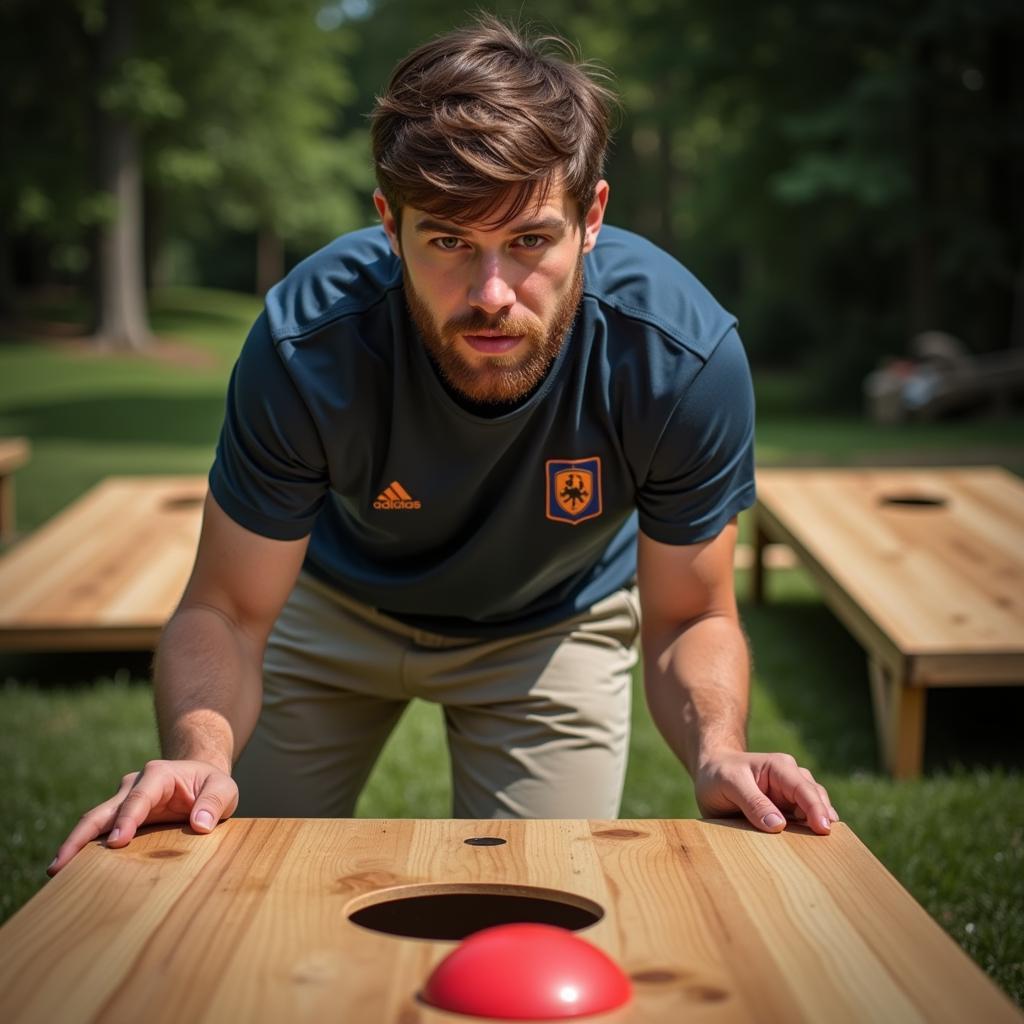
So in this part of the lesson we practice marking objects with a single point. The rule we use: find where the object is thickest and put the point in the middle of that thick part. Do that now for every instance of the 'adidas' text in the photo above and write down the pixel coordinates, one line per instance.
(395, 496)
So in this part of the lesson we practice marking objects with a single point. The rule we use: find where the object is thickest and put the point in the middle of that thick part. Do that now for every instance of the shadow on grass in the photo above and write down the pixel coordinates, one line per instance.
(196, 321)
(817, 676)
(974, 727)
(63, 669)
(185, 419)
(813, 671)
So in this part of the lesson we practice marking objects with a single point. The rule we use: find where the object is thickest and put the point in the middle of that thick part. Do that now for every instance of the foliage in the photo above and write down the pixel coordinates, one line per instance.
(45, 74)
(237, 105)
(255, 145)
(842, 174)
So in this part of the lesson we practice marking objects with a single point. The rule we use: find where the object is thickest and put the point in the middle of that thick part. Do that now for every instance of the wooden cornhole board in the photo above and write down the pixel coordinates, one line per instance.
(713, 921)
(107, 572)
(925, 567)
(14, 453)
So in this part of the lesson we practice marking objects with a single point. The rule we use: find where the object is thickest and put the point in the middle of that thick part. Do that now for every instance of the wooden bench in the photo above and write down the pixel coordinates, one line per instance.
(14, 453)
(107, 572)
(924, 567)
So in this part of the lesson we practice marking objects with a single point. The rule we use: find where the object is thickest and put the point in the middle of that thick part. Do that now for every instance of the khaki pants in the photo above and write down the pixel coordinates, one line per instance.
(537, 724)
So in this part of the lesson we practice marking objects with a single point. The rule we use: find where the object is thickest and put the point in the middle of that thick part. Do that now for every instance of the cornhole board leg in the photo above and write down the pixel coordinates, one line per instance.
(7, 528)
(757, 567)
(899, 720)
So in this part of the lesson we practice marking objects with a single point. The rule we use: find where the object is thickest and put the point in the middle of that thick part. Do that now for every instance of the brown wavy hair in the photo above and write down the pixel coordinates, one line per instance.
(484, 115)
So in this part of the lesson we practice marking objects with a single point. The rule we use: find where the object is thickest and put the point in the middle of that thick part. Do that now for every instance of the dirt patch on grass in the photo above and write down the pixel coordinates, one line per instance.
(68, 339)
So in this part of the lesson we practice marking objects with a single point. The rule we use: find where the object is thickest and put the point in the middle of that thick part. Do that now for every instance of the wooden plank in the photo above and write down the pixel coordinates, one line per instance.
(714, 921)
(899, 722)
(88, 638)
(889, 576)
(118, 912)
(956, 669)
(757, 576)
(931, 583)
(108, 571)
(863, 932)
(14, 453)
(933, 592)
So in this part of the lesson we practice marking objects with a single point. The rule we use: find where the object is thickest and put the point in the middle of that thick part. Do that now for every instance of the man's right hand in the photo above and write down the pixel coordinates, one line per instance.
(192, 791)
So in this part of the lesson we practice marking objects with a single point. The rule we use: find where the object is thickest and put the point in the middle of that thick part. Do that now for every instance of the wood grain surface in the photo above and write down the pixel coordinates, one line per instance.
(936, 592)
(107, 572)
(713, 920)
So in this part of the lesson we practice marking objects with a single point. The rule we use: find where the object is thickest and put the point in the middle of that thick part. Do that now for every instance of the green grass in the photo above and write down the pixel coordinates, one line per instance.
(72, 725)
(88, 416)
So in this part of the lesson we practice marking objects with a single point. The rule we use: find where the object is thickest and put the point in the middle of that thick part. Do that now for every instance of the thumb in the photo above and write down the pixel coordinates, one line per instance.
(758, 809)
(217, 799)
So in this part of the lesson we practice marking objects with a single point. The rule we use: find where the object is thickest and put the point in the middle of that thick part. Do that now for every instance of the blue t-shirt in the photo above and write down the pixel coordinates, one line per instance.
(338, 424)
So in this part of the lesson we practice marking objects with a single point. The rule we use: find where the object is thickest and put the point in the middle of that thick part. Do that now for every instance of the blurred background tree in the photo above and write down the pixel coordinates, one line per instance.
(218, 120)
(842, 175)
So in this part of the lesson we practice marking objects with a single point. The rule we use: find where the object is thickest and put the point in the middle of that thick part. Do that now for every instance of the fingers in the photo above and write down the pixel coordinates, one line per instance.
(162, 791)
(758, 809)
(217, 800)
(765, 790)
(795, 787)
(153, 788)
(823, 794)
(92, 824)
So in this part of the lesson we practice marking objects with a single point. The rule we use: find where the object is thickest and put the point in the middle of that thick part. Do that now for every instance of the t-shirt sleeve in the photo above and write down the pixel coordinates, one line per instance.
(702, 473)
(270, 471)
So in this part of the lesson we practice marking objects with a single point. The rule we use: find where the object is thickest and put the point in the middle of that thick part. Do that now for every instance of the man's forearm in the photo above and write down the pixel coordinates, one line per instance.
(697, 682)
(207, 687)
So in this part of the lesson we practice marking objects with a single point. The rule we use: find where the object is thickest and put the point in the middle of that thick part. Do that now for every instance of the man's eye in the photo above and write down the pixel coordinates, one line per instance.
(449, 243)
(531, 241)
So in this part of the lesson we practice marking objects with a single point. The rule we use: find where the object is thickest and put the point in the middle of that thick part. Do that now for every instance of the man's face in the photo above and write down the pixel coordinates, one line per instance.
(493, 305)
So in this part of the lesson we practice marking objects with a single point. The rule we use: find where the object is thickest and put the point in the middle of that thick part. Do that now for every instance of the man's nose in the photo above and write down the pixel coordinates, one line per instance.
(491, 290)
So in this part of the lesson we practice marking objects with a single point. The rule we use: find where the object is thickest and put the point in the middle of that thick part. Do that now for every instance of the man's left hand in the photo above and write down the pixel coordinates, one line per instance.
(764, 788)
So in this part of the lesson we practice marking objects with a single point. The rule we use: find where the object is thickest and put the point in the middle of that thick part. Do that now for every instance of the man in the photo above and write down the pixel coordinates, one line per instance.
(452, 444)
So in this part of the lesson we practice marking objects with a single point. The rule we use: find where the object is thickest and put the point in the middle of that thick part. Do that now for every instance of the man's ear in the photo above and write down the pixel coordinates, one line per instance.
(595, 215)
(388, 221)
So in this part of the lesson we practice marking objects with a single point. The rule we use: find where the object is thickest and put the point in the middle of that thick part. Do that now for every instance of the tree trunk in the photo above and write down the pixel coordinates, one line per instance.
(269, 260)
(122, 321)
(153, 231)
(6, 272)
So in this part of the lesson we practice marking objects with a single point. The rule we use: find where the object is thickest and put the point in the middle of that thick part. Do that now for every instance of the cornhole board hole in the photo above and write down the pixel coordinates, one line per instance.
(301, 920)
(107, 572)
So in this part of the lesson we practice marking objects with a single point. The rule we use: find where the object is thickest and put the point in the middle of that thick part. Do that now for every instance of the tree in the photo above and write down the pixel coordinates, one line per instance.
(122, 321)
(225, 114)
(257, 147)
(47, 200)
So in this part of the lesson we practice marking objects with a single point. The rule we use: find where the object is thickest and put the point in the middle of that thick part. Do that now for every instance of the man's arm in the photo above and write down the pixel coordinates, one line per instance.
(697, 679)
(207, 685)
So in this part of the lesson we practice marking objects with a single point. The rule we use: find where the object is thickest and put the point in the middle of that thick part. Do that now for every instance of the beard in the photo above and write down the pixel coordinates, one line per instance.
(502, 379)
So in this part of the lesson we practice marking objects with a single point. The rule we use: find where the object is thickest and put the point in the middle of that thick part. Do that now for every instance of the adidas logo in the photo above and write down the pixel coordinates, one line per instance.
(395, 496)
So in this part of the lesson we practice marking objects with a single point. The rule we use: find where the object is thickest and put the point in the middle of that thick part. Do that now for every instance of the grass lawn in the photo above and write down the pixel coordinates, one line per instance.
(72, 725)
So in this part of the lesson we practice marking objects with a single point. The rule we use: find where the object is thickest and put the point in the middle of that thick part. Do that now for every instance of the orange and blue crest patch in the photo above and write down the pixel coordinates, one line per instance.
(573, 489)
